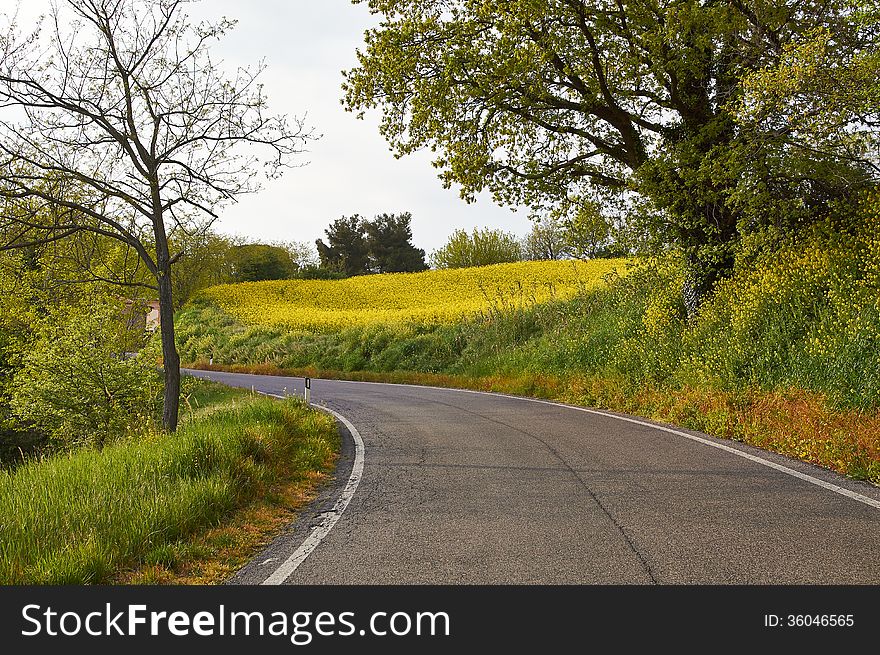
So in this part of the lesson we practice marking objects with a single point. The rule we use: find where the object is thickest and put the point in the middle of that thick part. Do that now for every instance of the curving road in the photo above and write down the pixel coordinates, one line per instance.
(466, 488)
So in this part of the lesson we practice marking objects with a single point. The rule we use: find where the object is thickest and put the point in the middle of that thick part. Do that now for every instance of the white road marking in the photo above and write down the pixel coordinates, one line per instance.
(734, 451)
(330, 517)
(739, 453)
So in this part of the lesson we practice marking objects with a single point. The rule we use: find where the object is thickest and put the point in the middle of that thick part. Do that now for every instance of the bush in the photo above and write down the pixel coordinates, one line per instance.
(480, 248)
(76, 381)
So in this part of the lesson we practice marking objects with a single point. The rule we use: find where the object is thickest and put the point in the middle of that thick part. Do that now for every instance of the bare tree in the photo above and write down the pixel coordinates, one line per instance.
(115, 120)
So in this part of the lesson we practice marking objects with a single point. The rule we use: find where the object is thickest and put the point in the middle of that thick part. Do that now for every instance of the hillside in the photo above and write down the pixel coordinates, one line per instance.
(786, 355)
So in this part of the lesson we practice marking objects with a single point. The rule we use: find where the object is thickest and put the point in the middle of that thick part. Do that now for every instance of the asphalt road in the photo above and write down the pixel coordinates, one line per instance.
(465, 488)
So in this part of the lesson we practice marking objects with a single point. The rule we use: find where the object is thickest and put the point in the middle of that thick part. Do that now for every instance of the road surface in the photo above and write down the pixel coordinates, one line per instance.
(458, 487)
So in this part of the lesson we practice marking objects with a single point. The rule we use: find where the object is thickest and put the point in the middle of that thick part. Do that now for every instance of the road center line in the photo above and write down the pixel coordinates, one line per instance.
(734, 451)
(288, 566)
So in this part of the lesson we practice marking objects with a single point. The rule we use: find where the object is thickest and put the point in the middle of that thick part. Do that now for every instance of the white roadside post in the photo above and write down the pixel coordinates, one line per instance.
(308, 391)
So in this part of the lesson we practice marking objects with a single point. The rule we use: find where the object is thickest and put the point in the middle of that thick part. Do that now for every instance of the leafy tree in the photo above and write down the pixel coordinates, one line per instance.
(259, 261)
(389, 239)
(546, 241)
(204, 262)
(48, 294)
(588, 232)
(19, 305)
(540, 100)
(302, 254)
(575, 229)
(209, 258)
(347, 250)
(115, 120)
(819, 98)
(479, 248)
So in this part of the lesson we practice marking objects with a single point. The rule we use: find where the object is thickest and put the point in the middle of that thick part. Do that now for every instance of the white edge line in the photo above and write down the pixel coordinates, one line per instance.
(288, 566)
(734, 451)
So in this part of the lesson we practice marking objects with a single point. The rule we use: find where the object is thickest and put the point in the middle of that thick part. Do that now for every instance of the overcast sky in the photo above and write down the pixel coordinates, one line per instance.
(307, 44)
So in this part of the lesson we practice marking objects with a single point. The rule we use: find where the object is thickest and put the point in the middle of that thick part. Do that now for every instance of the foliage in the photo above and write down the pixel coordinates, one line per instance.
(80, 518)
(482, 247)
(74, 381)
(540, 101)
(26, 288)
(16, 313)
(116, 121)
(398, 298)
(256, 262)
(588, 232)
(389, 239)
(304, 255)
(575, 228)
(357, 246)
(206, 260)
(821, 94)
(346, 250)
(209, 259)
(546, 241)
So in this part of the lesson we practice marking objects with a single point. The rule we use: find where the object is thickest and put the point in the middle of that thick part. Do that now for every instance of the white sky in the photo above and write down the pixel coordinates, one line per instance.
(306, 44)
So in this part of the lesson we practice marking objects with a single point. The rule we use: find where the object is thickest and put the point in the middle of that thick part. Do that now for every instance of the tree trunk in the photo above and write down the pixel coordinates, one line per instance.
(701, 276)
(170, 357)
(698, 283)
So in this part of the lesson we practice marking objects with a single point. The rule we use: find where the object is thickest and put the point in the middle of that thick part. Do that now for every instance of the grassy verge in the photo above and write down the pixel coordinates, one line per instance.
(151, 509)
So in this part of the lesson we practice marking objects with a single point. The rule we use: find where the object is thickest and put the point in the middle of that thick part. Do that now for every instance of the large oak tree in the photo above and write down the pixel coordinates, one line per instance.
(565, 101)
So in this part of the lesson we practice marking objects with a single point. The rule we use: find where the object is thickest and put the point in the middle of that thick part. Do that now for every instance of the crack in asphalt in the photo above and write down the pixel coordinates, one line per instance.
(630, 542)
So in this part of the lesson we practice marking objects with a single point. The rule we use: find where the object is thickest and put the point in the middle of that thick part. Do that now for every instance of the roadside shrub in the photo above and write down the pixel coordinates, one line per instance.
(478, 248)
(806, 315)
(76, 383)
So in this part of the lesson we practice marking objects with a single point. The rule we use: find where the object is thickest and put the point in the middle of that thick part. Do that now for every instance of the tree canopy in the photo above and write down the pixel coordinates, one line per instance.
(356, 246)
(482, 247)
(389, 239)
(550, 101)
(255, 262)
(346, 250)
(546, 241)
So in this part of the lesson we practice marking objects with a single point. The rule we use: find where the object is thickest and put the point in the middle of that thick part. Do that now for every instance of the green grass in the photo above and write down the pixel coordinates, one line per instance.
(203, 394)
(81, 517)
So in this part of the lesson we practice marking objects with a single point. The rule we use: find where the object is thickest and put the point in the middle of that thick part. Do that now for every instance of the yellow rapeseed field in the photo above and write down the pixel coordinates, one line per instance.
(429, 297)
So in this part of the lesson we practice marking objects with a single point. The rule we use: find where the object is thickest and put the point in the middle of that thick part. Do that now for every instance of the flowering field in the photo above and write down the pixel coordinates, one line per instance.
(429, 297)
